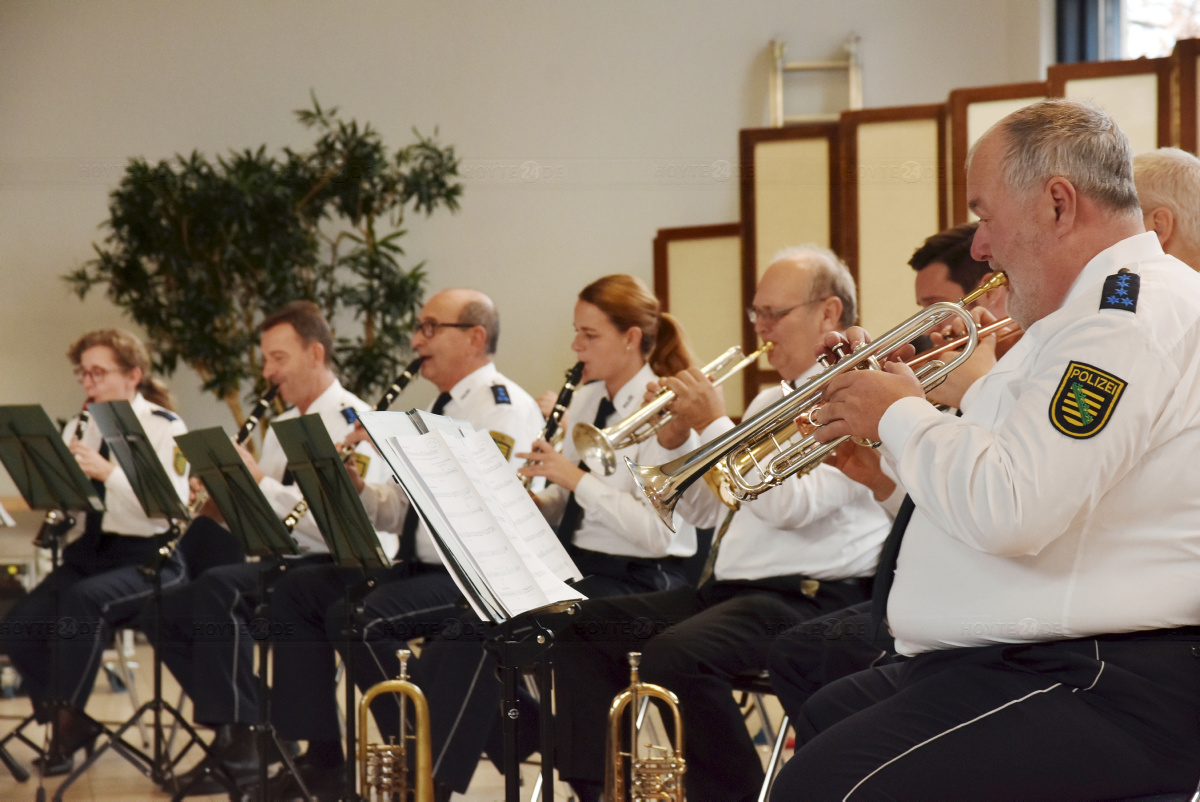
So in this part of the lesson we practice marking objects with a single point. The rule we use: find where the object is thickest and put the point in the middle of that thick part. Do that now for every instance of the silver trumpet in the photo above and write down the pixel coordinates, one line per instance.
(760, 453)
(598, 447)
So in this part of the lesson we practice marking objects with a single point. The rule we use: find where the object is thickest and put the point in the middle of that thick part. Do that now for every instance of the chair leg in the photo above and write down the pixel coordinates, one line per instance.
(774, 762)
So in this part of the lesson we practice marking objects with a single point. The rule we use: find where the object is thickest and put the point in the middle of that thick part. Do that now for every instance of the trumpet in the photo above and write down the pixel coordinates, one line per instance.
(243, 434)
(58, 522)
(383, 768)
(560, 408)
(654, 776)
(598, 447)
(758, 454)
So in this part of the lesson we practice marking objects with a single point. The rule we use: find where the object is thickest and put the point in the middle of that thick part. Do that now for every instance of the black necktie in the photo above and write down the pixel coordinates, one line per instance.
(573, 513)
(407, 552)
(886, 571)
(93, 520)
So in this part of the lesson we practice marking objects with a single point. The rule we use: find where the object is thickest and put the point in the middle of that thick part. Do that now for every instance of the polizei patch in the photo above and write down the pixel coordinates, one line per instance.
(1085, 399)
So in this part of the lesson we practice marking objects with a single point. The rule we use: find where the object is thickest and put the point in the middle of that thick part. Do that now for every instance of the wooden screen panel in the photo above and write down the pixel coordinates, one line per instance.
(894, 197)
(1137, 94)
(971, 112)
(1185, 94)
(790, 195)
(698, 279)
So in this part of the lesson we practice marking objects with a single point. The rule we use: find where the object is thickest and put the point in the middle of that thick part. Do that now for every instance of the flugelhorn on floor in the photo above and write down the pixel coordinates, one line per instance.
(383, 771)
(657, 775)
(758, 454)
(598, 447)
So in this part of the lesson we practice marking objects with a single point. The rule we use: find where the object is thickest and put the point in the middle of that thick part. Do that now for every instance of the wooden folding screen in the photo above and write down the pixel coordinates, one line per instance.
(971, 112)
(1185, 92)
(893, 197)
(698, 278)
(790, 195)
(1137, 94)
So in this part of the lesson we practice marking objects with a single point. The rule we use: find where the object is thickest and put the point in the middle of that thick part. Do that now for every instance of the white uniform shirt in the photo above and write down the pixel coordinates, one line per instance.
(514, 423)
(124, 515)
(1023, 533)
(283, 498)
(617, 519)
(822, 526)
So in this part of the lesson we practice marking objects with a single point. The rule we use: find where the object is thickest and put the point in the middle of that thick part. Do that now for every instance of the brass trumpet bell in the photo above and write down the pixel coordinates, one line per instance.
(598, 447)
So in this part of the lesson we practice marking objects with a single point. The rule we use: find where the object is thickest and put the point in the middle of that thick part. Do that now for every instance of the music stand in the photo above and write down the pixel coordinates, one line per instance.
(257, 527)
(48, 478)
(334, 504)
(130, 447)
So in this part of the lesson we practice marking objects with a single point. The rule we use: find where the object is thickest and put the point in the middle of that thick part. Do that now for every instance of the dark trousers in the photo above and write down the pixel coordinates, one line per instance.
(209, 633)
(309, 616)
(1090, 719)
(459, 676)
(808, 657)
(693, 641)
(98, 586)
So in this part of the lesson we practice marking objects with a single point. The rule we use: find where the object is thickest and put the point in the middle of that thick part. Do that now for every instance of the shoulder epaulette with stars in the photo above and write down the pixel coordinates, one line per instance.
(1121, 291)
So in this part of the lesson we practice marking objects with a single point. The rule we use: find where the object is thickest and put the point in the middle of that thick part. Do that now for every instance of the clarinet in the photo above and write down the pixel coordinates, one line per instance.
(560, 408)
(243, 434)
(58, 522)
(391, 394)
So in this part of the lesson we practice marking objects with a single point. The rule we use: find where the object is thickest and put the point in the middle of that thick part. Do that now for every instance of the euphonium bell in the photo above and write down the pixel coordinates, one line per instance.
(657, 775)
(598, 447)
(765, 450)
(383, 771)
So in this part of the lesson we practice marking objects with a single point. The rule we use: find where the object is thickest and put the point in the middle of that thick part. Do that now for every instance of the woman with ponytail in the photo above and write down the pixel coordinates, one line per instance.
(617, 540)
(100, 584)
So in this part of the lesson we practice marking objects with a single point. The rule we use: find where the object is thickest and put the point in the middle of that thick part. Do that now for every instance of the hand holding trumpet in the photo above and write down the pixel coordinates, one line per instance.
(698, 402)
(854, 401)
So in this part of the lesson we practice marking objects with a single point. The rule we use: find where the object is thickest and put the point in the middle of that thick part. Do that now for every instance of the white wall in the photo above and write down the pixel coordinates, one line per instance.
(584, 127)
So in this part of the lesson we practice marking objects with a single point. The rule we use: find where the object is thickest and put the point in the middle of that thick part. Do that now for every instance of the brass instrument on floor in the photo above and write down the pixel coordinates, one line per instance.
(765, 450)
(243, 434)
(383, 771)
(597, 447)
(657, 775)
(560, 408)
(58, 522)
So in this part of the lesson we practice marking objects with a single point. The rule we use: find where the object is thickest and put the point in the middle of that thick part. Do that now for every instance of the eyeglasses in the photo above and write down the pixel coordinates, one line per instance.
(430, 327)
(95, 374)
(774, 315)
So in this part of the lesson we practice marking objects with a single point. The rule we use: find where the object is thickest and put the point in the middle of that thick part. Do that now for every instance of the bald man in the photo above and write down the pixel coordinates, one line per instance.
(457, 334)
(1168, 187)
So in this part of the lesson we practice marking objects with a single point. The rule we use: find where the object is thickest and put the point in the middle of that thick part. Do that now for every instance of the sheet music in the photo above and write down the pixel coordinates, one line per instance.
(462, 486)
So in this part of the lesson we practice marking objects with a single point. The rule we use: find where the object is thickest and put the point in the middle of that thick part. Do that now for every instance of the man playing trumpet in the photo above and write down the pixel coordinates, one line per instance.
(1044, 588)
(805, 548)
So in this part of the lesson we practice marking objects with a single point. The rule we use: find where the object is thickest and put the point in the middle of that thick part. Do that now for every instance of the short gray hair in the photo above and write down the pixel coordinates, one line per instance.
(478, 313)
(830, 277)
(1170, 177)
(1077, 141)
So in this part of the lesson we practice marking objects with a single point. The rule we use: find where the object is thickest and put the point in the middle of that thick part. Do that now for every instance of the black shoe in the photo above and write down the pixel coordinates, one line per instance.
(323, 784)
(73, 730)
(231, 761)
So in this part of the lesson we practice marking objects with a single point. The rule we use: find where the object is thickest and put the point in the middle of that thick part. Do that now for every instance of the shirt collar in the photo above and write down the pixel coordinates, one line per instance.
(630, 396)
(477, 378)
(1126, 253)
